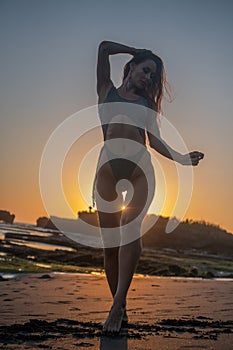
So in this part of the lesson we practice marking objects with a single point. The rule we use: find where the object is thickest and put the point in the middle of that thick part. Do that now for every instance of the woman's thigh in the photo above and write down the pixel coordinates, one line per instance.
(141, 193)
(136, 210)
(109, 201)
(109, 208)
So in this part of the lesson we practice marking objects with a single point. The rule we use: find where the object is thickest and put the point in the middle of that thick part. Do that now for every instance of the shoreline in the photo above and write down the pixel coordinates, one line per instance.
(32, 249)
(8, 276)
(81, 262)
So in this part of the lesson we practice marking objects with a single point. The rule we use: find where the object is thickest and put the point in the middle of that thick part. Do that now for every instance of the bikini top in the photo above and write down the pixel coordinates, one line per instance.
(136, 110)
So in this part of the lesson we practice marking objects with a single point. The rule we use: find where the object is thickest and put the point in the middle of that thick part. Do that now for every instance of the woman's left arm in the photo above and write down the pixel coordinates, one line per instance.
(159, 145)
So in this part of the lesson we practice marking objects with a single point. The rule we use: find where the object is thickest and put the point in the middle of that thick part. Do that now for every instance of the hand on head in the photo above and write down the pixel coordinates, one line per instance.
(142, 51)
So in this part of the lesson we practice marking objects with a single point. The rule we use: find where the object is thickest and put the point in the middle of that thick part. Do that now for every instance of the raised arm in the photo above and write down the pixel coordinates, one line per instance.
(107, 48)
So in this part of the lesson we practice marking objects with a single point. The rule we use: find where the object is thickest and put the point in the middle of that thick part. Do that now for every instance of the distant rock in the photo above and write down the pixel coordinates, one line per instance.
(176, 269)
(89, 217)
(45, 277)
(194, 272)
(42, 222)
(2, 279)
(45, 222)
(190, 236)
(209, 274)
(6, 217)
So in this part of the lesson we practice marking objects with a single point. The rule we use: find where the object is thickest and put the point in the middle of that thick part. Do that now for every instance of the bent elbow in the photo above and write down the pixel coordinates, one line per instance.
(103, 45)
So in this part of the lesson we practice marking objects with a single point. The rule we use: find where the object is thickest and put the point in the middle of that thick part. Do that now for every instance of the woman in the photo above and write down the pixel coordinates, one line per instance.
(143, 85)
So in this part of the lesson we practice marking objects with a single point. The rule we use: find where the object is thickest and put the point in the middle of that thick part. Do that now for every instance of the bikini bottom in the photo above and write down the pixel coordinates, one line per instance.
(123, 168)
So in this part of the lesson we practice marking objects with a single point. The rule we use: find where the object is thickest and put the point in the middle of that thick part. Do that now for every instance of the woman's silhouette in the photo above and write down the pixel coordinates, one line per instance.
(143, 86)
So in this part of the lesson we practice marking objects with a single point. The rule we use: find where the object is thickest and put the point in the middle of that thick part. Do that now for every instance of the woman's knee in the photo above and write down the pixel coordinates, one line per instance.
(130, 230)
(111, 238)
(135, 246)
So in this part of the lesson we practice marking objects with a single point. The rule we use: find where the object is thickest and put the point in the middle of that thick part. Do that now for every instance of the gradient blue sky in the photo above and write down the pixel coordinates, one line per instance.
(48, 72)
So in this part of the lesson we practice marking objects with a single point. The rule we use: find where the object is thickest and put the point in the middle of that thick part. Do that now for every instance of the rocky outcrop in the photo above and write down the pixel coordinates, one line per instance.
(89, 217)
(6, 217)
(45, 222)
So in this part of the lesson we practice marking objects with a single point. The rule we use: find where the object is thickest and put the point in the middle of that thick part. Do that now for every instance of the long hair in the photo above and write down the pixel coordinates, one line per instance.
(155, 92)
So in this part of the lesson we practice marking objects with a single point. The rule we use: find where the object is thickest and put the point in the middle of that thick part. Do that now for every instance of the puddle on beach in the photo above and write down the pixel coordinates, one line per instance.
(37, 245)
(2, 236)
(8, 276)
(24, 233)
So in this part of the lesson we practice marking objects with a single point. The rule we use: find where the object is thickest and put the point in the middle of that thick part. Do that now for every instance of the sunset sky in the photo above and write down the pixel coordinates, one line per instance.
(48, 72)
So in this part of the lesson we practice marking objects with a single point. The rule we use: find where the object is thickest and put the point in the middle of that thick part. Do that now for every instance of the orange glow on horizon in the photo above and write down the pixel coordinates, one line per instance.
(22, 197)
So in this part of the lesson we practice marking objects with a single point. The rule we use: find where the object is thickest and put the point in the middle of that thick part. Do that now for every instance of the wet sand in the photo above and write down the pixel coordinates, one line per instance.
(65, 311)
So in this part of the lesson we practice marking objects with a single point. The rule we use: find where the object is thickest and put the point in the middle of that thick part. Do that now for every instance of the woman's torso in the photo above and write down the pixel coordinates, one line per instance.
(108, 110)
(125, 120)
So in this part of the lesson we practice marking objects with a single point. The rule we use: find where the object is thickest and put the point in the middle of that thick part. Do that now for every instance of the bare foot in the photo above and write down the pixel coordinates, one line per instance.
(124, 319)
(114, 319)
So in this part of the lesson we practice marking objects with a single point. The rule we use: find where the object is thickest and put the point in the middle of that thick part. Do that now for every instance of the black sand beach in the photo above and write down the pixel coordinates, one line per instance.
(54, 295)
(65, 311)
